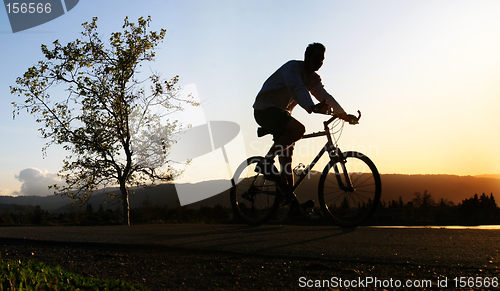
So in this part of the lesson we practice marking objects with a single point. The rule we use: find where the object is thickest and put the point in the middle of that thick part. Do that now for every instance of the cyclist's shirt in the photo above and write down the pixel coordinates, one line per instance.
(289, 86)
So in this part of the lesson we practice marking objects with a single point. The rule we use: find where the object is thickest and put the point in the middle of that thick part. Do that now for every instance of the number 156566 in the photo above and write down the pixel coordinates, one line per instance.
(28, 8)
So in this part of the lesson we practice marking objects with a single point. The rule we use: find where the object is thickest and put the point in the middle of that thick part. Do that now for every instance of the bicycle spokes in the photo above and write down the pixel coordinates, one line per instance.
(254, 199)
(350, 189)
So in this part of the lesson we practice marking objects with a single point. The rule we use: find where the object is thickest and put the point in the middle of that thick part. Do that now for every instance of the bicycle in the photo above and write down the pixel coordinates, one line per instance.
(349, 187)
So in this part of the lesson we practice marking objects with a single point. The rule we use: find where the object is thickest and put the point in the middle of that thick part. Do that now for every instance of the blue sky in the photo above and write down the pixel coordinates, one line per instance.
(424, 74)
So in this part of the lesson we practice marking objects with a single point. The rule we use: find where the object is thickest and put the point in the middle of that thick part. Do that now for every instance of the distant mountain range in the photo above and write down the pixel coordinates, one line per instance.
(163, 194)
(450, 187)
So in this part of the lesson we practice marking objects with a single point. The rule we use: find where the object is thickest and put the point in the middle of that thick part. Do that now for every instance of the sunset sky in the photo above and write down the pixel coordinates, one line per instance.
(424, 74)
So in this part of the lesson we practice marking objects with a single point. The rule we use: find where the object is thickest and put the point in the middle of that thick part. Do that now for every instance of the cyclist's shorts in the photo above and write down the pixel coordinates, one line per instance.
(273, 119)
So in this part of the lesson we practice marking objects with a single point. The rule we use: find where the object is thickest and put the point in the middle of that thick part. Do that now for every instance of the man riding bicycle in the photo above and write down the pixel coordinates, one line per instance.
(290, 85)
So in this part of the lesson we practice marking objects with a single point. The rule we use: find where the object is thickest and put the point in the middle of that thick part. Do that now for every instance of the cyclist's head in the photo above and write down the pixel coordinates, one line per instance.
(314, 56)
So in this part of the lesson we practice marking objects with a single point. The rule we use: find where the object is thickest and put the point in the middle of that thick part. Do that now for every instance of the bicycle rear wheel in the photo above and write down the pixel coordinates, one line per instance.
(254, 199)
(349, 189)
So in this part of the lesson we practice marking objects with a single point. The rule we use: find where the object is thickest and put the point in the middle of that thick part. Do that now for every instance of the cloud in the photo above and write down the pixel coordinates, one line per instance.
(36, 182)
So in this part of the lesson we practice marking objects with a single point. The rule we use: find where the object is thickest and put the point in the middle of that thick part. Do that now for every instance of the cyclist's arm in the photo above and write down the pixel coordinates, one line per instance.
(291, 74)
(319, 92)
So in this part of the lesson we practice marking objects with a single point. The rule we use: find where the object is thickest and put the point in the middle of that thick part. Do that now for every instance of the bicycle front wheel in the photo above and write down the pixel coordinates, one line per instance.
(253, 198)
(349, 189)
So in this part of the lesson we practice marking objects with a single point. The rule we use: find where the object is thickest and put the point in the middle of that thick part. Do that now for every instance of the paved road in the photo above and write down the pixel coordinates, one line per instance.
(476, 248)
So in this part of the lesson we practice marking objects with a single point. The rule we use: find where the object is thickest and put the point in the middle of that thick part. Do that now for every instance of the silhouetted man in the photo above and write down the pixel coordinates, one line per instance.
(292, 84)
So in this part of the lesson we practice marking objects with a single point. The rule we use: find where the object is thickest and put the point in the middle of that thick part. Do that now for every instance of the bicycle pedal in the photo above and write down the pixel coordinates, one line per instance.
(307, 205)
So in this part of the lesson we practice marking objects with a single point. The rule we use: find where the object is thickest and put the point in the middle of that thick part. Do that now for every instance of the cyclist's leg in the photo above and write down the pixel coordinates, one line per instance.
(285, 129)
(297, 211)
(285, 159)
(293, 131)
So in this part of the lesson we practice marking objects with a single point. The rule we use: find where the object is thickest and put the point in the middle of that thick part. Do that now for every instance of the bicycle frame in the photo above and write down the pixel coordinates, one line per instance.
(332, 151)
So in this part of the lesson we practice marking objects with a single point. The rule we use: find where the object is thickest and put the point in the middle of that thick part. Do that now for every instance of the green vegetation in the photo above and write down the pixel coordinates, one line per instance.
(38, 276)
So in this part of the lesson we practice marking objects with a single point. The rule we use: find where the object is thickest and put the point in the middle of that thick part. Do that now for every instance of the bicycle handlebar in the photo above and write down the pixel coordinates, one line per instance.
(352, 119)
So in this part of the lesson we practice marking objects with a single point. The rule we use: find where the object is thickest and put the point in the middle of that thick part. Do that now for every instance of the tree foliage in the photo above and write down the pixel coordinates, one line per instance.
(105, 118)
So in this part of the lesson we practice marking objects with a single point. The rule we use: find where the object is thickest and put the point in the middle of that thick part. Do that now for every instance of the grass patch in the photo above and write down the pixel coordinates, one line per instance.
(17, 275)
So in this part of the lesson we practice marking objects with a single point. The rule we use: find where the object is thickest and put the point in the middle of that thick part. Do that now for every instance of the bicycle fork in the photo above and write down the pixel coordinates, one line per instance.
(346, 183)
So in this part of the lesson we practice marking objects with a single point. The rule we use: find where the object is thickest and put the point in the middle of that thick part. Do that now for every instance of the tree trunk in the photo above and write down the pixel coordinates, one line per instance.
(126, 205)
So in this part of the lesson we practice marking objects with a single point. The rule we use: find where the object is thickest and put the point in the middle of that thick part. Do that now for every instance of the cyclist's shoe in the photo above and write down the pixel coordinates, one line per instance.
(266, 167)
(307, 205)
(297, 213)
